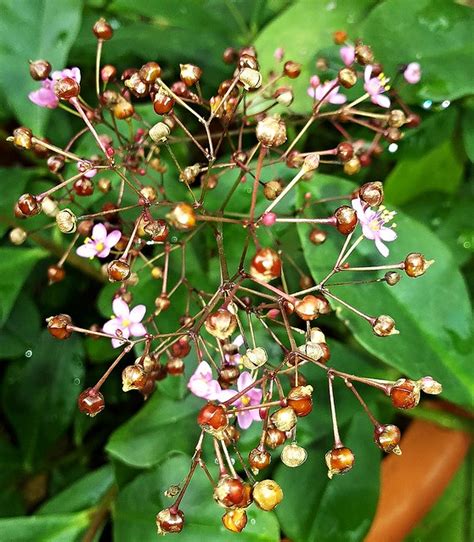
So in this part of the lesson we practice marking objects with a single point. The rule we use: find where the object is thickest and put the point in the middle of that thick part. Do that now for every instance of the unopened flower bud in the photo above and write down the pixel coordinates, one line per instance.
(189, 74)
(284, 419)
(371, 193)
(347, 77)
(392, 278)
(384, 326)
(271, 131)
(254, 358)
(221, 324)
(66, 88)
(267, 494)
(339, 460)
(416, 264)
(352, 166)
(431, 386)
(311, 162)
(272, 189)
(66, 221)
(40, 69)
(250, 78)
(182, 217)
(387, 437)
(17, 236)
(169, 521)
(405, 393)
(102, 30)
(293, 455)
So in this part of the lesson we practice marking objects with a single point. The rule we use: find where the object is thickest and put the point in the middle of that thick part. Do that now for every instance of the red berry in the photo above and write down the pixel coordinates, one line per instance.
(91, 402)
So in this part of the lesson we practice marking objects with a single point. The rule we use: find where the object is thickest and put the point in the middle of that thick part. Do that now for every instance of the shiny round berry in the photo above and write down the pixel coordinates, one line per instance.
(346, 219)
(221, 324)
(416, 264)
(405, 394)
(352, 166)
(232, 493)
(102, 30)
(345, 151)
(300, 400)
(40, 69)
(169, 521)
(293, 455)
(339, 460)
(56, 273)
(181, 347)
(175, 366)
(189, 74)
(259, 458)
(59, 326)
(363, 54)
(29, 205)
(163, 103)
(150, 72)
(265, 265)
(123, 109)
(235, 520)
(284, 419)
(274, 437)
(91, 402)
(83, 187)
(371, 193)
(267, 494)
(317, 236)
(213, 419)
(347, 77)
(292, 69)
(67, 88)
(118, 271)
(387, 437)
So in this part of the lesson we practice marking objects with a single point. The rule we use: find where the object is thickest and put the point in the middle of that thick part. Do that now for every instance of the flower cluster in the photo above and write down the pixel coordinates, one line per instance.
(243, 368)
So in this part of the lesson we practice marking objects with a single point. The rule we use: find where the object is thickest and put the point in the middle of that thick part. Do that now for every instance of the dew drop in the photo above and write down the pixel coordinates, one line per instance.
(28, 353)
(253, 521)
(77, 381)
(393, 147)
(445, 104)
(426, 104)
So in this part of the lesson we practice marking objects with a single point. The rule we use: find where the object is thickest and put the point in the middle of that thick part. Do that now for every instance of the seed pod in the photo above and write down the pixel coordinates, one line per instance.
(300, 400)
(265, 265)
(156, 272)
(102, 30)
(133, 378)
(231, 435)
(248, 59)
(163, 103)
(405, 394)
(28, 205)
(292, 69)
(363, 54)
(136, 85)
(175, 366)
(317, 236)
(221, 324)
(396, 118)
(250, 78)
(339, 460)
(310, 307)
(123, 109)
(150, 72)
(182, 217)
(274, 437)
(162, 302)
(259, 459)
(294, 160)
(91, 402)
(254, 358)
(347, 77)
(189, 74)
(312, 350)
(66, 88)
(311, 162)
(431, 386)
(83, 187)
(284, 419)
(235, 520)
(416, 264)
(17, 236)
(228, 375)
(387, 437)
(284, 96)
(169, 520)
(59, 326)
(371, 193)
(271, 131)
(55, 274)
(189, 174)
(392, 278)
(267, 494)
(384, 326)
(118, 271)
(213, 419)
(40, 69)
(229, 55)
(345, 151)
(346, 219)
(293, 455)
(352, 166)
(272, 189)
(232, 493)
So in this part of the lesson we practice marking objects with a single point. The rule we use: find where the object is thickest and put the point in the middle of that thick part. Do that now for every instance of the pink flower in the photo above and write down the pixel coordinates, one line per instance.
(314, 81)
(126, 322)
(412, 73)
(279, 54)
(85, 167)
(100, 243)
(375, 86)
(347, 54)
(327, 92)
(251, 398)
(45, 96)
(202, 384)
(268, 219)
(373, 225)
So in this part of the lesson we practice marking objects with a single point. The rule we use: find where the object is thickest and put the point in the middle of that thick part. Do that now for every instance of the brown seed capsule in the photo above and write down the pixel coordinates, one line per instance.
(392, 278)
(235, 520)
(300, 400)
(292, 69)
(346, 219)
(189, 74)
(91, 402)
(162, 302)
(229, 55)
(59, 326)
(265, 265)
(387, 437)
(231, 435)
(169, 520)
(163, 103)
(363, 54)
(284, 419)
(294, 160)
(213, 419)
(306, 282)
(83, 187)
(416, 264)
(274, 437)
(272, 189)
(156, 272)
(293, 455)
(259, 458)
(347, 77)
(181, 347)
(55, 163)
(29, 205)
(133, 378)
(384, 326)
(175, 366)
(56, 273)
(352, 166)
(123, 109)
(228, 375)
(150, 72)
(102, 30)
(221, 324)
(310, 307)
(189, 174)
(232, 493)
(137, 87)
(118, 271)
(405, 394)
(339, 460)
(271, 131)
(40, 69)
(182, 217)
(317, 236)
(66, 88)
(345, 151)
(371, 193)
(339, 37)
(393, 135)
(248, 61)
(396, 118)
(267, 494)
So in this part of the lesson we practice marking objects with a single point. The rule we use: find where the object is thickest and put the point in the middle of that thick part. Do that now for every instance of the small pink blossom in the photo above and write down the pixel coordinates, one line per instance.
(327, 92)
(347, 54)
(202, 384)
(45, 96)
(99, 243)
(412, 73)
(268, 219)
(126, 322)
(85, 167)
(251, 398)
(279, 54)
(314, 81)
(375, 86)
(373, 225)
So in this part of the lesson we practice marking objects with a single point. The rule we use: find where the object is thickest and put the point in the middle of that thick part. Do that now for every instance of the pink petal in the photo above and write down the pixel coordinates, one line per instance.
(111, 326)
(214, 390)
(314, 81)
(225, 395)
(198, 387)
(358, 208)
(137, 330)
(311, 92)
(368, 232)
(387, 234)
(347, 54)
(381, 247)
(104, 253)
(203, 370)
(87, 250)
(120, 308)
(238, 341)
(137, 314)
(44, 98)
(255, 396)
(367, 73)
(337, 99)
(412, 74)
(113, 238)
(99, 233)
(245, 379)
(245, 419)
(117, 342)
(382, 100)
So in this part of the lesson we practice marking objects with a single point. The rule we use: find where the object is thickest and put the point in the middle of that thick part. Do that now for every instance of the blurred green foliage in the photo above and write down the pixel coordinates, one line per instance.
(62, 467)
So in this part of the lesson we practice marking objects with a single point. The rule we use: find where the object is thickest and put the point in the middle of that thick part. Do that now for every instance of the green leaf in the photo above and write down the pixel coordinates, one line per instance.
(337, 510)
(468, 131)
(15, 266)
(84, 493)
(441, 170)
(161, 426)
(303, 30)
(40, 392)
(28, 31)
(140, 501)
(15, 342)
(435, 33)
(433, 314)
(11, 502)
(60, 528)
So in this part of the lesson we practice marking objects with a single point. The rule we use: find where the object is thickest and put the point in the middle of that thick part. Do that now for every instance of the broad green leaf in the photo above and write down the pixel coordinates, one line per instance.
(468, 131)
(432, 312)
(11, 502)
(16, 265)
(303, 30)
(441, 170)
(435, 33)
(54, 528)
(28, 31)
(13, 339)
(40, 392)
(84, 493)
(161, 426)
(337, 510)
(140, 501)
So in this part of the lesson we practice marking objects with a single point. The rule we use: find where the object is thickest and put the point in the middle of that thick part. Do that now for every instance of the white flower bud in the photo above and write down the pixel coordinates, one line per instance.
(250, 78)
(159, 132)
(49, 206)
(293, 455)
(66, 221)
(311, 162)
(284, 96)
(18, 236)
(254, 358)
